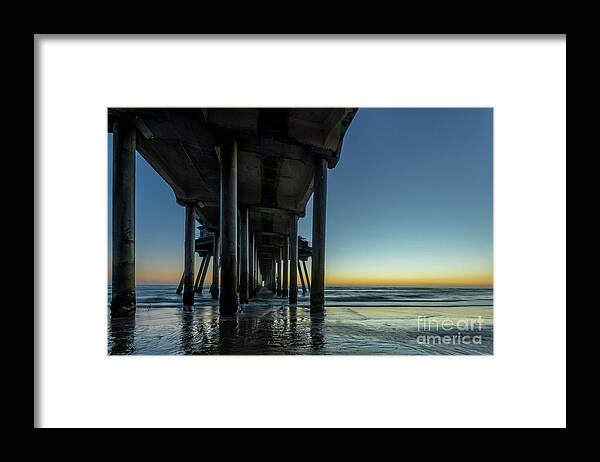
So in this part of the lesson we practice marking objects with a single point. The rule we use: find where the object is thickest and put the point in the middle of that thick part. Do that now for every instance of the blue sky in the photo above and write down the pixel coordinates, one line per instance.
(409, 203)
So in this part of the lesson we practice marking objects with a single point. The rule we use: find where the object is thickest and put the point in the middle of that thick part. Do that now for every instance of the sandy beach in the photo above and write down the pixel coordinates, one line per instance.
(269, 326)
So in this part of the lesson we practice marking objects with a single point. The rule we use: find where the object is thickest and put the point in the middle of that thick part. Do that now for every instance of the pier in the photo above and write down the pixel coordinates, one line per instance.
(244, 177)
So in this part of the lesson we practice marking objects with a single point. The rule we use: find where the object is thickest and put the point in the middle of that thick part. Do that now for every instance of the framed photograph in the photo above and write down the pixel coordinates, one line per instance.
(365, 222)
(229, 189)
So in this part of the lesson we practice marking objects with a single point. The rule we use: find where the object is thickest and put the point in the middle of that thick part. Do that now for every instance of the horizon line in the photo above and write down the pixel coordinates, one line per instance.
(383, 286)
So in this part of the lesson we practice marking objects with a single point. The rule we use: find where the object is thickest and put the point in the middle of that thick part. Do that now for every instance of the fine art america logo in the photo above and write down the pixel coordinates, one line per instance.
(449, 332)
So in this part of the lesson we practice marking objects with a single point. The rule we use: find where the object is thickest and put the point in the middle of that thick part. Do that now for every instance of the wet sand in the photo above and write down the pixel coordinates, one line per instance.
(268, 326)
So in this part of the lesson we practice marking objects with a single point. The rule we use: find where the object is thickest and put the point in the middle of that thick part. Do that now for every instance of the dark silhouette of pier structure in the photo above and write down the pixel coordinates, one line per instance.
(246, 176)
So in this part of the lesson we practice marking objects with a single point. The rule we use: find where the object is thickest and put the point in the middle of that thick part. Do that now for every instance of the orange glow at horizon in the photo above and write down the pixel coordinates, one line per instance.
(158, 275)
(423, 281)
(448, 278)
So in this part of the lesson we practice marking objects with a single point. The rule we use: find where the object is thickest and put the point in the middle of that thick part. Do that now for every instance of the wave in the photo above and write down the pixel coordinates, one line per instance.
(165, 296)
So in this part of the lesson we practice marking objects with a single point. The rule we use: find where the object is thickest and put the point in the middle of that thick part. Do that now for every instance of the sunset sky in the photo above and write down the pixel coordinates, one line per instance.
(409, 203)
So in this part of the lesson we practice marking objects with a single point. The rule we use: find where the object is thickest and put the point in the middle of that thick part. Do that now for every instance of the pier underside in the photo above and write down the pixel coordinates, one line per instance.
(246, 176)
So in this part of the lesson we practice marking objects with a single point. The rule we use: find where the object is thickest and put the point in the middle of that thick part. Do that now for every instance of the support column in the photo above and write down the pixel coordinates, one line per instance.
(306, 274)
(274, 273)
(317, 292)
(286, 273)
(202, 263)
(251, 275)
(244, 246)
(200, 285)
(214, 287)
(294, 261)
(123, 220)
(267, 275)
(228, 301)
(302, 279)
(189, 243)
(239, 233)
(258, 273)
(278, 253)
(180, 286)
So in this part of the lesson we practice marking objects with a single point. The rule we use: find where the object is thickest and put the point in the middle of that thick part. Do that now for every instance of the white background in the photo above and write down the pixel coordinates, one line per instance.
(523, 384)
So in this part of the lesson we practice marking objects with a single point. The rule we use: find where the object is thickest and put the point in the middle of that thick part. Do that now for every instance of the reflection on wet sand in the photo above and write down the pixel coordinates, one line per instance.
(272, 329)
(187, 331)
(121, 340)
(228, 334)
(317, 341)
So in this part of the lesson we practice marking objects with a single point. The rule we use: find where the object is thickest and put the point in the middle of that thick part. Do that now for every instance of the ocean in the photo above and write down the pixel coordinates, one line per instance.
(357, 321)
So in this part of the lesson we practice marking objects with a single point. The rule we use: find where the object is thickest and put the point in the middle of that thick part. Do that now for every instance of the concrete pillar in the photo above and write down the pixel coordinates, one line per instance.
(189, 253)
(228, 301)
(180, 286)
(317, 292)
(267, 276)
(251, 275)
(244, 260)
(259, 276)
(200, 285)
(294, 261)
(239, 233)
(286, 273)
(123, 220)
(214, 287)
(306, 274)
(271, 274)
(274, 273)
(302, 278)
(202, 263)
(279, 270)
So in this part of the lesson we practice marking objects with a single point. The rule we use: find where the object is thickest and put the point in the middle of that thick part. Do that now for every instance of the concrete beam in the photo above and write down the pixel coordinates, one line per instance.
(284, 148)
